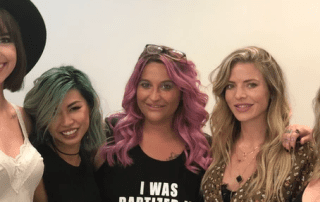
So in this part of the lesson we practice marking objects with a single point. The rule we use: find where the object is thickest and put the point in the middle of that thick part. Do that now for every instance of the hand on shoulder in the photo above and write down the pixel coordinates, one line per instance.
(296, 133)
(98, 159)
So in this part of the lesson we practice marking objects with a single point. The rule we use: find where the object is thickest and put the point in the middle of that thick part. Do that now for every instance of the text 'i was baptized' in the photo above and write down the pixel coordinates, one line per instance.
(159, 192)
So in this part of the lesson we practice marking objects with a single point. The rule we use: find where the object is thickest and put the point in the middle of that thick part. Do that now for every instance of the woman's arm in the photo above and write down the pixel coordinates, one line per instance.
(40, 194)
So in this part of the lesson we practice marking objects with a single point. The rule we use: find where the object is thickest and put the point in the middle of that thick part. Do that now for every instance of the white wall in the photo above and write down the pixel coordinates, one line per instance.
(105, 37)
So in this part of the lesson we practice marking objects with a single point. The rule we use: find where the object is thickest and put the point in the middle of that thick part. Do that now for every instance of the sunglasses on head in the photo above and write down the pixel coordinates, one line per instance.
(169, 52)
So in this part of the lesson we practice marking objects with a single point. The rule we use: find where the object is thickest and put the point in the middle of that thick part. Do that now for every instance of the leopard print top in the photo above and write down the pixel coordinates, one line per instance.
(295, 182)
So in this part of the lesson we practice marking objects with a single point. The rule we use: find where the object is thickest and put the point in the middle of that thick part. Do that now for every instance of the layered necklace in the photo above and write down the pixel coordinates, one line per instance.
(244, 155)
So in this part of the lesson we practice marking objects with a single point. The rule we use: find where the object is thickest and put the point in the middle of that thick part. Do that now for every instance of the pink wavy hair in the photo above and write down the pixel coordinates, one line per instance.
(188, 120)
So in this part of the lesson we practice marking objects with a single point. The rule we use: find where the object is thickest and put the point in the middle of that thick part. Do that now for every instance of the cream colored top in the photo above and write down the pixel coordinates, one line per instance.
(20, 176)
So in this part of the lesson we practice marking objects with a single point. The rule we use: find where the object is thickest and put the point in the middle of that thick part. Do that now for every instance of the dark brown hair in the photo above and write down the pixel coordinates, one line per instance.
(10, 26)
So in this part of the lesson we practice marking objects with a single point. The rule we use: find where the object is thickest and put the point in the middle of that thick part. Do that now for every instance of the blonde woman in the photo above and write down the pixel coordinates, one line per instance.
(312, 192)
(250, 114)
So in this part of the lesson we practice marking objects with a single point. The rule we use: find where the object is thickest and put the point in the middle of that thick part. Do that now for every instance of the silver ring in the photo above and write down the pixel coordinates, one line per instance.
(288, 131)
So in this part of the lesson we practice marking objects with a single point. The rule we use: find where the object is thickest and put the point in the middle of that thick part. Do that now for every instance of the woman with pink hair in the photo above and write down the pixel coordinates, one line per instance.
(159, 152)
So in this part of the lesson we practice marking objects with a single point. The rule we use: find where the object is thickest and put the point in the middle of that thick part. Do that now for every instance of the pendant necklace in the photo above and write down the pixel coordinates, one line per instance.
(244, 154)
(239, 177)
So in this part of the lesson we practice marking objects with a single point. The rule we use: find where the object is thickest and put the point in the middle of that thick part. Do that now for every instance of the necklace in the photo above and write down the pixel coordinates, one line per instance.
(55, 148)
(239, 177)
(244, 154)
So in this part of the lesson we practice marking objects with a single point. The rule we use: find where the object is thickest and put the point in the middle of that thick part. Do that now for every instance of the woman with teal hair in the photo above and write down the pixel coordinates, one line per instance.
(68, 129)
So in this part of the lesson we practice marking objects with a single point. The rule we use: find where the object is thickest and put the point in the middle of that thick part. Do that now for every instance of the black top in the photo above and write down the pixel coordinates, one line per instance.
(150, 180)
(66, 183)
(226, 193)
(299, 197)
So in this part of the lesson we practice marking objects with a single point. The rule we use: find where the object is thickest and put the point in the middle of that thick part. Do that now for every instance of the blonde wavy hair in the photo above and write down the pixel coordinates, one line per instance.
(316, 134)
(225, 128)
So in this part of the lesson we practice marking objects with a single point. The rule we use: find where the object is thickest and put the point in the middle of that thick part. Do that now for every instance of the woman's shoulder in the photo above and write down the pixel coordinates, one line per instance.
(305, 151)
(312, 192)
(50, 158)
(14, 109)
(304, 160)
(44, 149)
(27, 119)
(47, 153)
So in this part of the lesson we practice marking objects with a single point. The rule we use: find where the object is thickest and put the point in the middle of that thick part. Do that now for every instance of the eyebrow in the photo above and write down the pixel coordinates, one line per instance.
(246, 81)
(160, 82)
(73, 103)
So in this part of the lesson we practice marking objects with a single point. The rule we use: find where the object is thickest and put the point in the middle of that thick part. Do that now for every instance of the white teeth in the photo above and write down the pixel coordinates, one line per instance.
(1, 65)
(243, 106)
(69, 132)
(156, 106)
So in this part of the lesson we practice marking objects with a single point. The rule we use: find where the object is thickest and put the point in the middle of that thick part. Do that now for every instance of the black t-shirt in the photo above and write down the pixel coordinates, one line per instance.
(299, 196)
(66, 183)
(149, 180)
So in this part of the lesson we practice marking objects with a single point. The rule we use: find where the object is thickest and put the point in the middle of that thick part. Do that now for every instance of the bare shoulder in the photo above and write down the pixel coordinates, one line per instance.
(312, 193)
(99, 159)
(26, 119)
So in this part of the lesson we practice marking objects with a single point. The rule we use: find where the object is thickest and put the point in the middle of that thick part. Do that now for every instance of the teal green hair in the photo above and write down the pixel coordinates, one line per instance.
(42, 101)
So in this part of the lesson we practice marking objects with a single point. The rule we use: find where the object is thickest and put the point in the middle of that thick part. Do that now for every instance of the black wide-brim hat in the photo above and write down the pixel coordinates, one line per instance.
(32, 27)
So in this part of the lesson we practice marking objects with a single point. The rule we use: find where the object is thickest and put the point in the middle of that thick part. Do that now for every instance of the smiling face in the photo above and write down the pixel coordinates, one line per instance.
(72, 120)
(157, 96)
(247, 93)
(8, 57)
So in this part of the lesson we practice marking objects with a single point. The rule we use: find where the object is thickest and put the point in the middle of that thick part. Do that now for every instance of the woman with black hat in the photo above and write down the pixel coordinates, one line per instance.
(22, 40)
